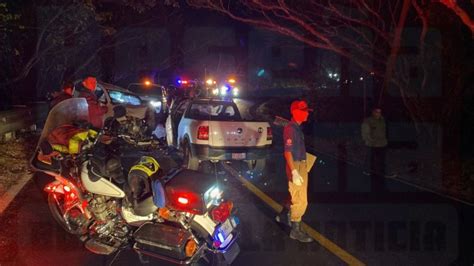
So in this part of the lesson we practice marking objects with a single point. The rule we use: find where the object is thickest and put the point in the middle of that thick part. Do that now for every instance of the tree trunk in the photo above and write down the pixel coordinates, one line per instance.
(344, 82)
(392, 59)
(451, 150)
(176, 32)
(241, 57)
(107, 59)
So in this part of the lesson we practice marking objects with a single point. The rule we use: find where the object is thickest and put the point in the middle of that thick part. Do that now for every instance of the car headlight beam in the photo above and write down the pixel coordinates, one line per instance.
(155, 103)
(223, 90)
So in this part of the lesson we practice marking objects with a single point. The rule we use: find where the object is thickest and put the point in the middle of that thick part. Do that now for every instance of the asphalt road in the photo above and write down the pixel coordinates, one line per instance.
(400, 225)
(29, 235)
(397, 224)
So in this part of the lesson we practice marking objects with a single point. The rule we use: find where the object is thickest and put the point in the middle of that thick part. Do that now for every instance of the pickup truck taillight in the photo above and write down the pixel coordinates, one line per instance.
(269, 133)
(203, 133)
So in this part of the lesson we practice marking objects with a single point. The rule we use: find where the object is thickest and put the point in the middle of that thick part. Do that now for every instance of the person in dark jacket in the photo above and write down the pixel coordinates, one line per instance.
(296, 170)
(87, 89)
(66, 93)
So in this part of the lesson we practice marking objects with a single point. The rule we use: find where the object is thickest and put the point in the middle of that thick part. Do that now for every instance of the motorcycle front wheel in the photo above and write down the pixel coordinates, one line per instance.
(72, 221)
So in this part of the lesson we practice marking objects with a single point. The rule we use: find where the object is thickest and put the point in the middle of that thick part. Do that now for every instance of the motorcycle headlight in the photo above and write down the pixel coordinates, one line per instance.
(215, 193)
(213, 196)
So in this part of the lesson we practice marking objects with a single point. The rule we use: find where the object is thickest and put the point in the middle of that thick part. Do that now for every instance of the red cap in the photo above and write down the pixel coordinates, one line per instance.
(300, 105)
(90, 83)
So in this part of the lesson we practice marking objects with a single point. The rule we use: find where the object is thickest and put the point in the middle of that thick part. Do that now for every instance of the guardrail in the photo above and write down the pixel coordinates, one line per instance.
(22, 118)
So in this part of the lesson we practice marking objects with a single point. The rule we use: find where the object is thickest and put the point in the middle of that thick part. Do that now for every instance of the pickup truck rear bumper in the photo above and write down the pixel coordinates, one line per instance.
(205, 152)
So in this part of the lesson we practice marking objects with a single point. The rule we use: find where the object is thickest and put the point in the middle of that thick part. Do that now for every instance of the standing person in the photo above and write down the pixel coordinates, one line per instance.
(87, 89)
(374, 135)
(66, 93)
(296, 168)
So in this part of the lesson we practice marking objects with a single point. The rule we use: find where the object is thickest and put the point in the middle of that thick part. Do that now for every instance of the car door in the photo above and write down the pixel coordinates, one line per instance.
(172, 122)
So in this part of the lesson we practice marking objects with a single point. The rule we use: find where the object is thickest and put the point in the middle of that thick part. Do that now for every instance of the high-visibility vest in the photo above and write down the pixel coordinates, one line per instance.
(68, 138)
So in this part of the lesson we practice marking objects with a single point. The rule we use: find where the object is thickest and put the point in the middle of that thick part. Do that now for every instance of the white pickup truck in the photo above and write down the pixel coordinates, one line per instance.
(214, 130)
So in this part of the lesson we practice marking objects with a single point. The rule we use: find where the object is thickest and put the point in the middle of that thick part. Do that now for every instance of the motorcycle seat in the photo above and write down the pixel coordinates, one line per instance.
(103, 164)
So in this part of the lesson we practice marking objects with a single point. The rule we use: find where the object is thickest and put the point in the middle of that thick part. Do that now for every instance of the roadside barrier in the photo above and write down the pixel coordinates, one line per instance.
(22, 118)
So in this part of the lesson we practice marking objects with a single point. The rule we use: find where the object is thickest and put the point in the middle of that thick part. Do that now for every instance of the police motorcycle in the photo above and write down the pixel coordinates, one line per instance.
(177, 215)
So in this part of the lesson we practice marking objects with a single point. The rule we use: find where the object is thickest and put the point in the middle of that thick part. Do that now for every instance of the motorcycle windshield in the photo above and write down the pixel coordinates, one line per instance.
(65, 112)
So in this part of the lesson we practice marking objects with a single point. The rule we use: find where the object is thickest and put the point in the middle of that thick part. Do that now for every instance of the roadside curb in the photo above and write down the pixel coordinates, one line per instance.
(11, 193)
(321, 239)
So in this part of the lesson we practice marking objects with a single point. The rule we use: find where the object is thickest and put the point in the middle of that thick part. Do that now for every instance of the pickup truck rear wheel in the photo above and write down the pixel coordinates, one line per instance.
(256, 165)
(190, 161)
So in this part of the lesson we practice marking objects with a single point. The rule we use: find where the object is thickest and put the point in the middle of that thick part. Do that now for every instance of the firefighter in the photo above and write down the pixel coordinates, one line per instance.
(87, 89)
(296, 168)
(67, 139)
(66, 93)
(70, 138)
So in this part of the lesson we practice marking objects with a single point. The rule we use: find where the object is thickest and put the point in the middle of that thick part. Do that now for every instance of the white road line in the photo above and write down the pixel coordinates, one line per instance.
(409, 183)
(325, 242)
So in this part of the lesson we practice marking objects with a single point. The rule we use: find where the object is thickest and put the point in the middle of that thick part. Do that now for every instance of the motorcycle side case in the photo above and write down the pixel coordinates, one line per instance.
(190, 184)
(162, 240)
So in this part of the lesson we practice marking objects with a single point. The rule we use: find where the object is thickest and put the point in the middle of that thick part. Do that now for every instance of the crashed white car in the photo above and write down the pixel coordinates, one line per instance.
(214, 130)
(112, 95)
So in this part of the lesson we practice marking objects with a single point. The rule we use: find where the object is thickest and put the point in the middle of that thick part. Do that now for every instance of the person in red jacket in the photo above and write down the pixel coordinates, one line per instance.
(65, 94)
(65, 139)
(70, 138)
(87, 90)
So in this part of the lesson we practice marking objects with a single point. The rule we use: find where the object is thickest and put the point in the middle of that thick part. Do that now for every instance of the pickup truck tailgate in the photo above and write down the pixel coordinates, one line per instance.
(238, 134)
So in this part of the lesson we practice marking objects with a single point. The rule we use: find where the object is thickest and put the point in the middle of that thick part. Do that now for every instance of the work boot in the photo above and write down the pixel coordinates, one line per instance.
(297, 234)
(284, 217)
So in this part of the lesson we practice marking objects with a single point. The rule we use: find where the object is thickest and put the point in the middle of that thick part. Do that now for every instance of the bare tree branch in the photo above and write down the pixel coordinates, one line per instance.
(395, 47)
(461, 13)
(367, 32)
